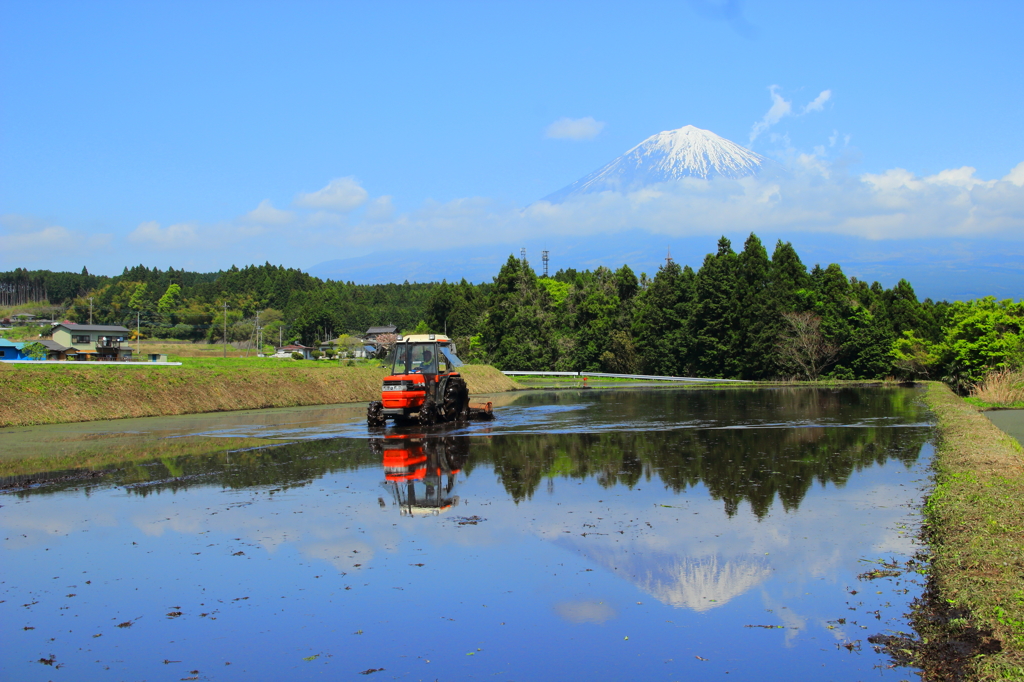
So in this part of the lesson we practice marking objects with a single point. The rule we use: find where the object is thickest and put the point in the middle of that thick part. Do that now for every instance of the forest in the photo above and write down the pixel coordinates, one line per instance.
(743, 315)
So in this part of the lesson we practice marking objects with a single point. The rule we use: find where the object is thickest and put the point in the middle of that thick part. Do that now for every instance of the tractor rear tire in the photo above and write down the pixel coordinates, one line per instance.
(455, 402)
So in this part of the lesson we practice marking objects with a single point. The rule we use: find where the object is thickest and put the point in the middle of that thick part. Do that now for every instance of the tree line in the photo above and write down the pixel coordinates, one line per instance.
(740, 315)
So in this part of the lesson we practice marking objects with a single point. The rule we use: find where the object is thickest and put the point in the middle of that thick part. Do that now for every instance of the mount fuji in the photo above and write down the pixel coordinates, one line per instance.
(688, 152)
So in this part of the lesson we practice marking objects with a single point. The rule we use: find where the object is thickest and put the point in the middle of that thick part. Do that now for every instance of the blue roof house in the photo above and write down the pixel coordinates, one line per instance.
(12, 350)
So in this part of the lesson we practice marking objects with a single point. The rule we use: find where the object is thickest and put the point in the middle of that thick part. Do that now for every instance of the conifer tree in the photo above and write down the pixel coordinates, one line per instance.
(754, 339)
(714, 311)
(661, 314)
(517, 334)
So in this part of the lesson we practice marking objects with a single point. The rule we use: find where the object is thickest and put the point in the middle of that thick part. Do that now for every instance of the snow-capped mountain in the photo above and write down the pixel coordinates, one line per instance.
(688, 152)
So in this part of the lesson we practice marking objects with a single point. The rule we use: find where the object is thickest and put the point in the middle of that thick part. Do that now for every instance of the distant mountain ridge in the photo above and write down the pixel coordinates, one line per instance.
(688, 152)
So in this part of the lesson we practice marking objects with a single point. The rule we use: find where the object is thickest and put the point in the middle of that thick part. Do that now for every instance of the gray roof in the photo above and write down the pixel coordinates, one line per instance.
(389, 329)
(53, 345)
(95, 328)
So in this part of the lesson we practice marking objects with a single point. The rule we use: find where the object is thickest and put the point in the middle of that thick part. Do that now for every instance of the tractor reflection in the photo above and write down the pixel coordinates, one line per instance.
(421, 472)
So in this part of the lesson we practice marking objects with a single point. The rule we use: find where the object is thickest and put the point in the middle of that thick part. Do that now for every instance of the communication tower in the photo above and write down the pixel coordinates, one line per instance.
(544, 257)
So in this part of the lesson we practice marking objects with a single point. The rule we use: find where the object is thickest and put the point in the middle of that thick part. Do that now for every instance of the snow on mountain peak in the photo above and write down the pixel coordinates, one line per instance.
(688, 152)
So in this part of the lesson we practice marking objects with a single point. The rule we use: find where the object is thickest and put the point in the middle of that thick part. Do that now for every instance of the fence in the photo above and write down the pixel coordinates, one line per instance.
(644, 377)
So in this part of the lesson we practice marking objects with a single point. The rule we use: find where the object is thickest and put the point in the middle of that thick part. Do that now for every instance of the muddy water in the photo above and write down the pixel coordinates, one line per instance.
(1010, 421)
(609, 535)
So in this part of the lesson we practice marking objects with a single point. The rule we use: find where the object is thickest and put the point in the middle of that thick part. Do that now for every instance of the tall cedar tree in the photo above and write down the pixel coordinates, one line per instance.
(753, 343)
(517, 333)
(714, 312)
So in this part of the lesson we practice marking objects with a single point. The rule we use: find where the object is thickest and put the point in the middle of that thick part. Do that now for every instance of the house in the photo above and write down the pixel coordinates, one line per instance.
(12, 350)
(373, 332)
(94, 341)
(55, 351)
(286, 351)
(348, 346)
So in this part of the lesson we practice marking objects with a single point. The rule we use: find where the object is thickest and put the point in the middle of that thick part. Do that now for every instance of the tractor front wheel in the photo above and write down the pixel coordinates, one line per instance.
(375, 414)
(428, 412)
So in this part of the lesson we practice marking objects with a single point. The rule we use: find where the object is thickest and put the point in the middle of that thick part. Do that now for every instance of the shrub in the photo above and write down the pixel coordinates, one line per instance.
(34, 350)
(182, 331)
(330, 353)
(317, 354)
(297, 355)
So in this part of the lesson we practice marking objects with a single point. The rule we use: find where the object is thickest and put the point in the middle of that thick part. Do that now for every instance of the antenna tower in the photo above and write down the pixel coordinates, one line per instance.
(522, 254)
(544, 257)
(668, 258)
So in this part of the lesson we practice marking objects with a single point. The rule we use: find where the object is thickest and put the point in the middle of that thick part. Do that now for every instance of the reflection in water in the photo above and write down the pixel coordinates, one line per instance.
(616, 535)
(755, 465)
(736, 465)
(701, 584)
(421, 472)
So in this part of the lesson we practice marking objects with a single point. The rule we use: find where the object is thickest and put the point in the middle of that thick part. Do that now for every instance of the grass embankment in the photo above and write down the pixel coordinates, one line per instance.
(56, 394)
(972, 624)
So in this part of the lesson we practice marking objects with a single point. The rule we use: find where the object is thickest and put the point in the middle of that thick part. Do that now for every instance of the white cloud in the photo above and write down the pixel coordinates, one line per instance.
(819, 102)
(179, 236)
(340, 194)
(380, 208)
(781, 107)
(28, 240)
(815, 197)
(1016, 176)
(574, 129)
(266, 214)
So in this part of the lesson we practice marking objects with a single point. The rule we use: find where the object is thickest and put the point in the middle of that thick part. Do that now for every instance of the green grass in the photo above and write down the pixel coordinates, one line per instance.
(982, 405)
(975, 528)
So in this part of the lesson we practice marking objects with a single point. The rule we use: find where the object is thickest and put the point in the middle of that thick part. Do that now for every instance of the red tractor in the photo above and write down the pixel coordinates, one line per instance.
(424, 385)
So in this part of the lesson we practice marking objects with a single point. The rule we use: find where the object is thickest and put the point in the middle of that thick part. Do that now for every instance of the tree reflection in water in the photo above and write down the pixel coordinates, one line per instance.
(751, 449)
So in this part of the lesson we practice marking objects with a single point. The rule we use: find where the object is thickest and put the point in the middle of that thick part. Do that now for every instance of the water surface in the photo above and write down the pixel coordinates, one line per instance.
(616, 535)
(1010, 421)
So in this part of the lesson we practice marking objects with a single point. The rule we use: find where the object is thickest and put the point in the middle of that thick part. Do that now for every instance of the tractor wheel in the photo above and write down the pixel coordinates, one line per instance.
(428, 412)
(375, 414)
(455, 401)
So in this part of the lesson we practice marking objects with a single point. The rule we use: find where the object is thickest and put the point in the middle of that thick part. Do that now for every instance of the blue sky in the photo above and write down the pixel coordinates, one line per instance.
(209, 134)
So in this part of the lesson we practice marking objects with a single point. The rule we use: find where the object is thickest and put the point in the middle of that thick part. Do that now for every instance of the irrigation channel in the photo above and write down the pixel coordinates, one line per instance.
(636, 534)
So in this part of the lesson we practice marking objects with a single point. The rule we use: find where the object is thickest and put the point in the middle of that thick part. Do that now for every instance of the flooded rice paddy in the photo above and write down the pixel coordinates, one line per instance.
(1010, 421)
(613, 535)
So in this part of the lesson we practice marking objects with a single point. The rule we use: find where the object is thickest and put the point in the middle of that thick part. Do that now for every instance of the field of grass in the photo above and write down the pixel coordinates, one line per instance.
(972, 624)
(55, 394)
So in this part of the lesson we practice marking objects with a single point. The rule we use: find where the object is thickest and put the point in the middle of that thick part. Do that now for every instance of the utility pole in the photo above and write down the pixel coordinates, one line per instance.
(259, 348)
(225, 329)
(90, 310)
(138, 331)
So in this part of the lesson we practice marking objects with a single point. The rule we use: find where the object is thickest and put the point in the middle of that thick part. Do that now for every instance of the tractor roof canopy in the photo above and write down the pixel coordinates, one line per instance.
(421, 354)
(424, 338)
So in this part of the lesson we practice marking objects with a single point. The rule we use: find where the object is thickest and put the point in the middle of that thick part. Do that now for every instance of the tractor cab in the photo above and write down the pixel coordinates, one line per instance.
(433, 356)
(424, 385)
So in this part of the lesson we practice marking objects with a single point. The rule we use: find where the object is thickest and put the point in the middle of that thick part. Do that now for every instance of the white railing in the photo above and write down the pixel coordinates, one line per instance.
(644, 377)
(92, 363)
